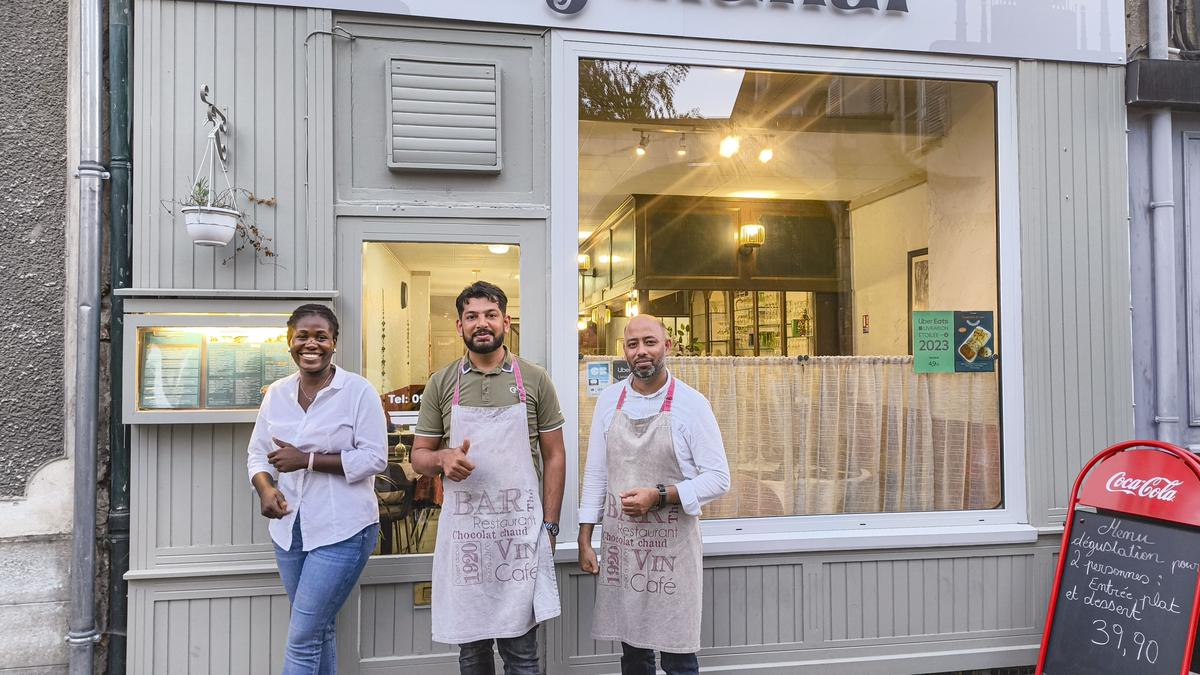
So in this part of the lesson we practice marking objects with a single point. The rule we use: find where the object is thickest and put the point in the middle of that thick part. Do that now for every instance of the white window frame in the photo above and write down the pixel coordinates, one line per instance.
(1009, 524)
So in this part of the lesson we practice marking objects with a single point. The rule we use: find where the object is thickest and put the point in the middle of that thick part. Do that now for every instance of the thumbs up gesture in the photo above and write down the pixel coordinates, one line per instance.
(455, 464)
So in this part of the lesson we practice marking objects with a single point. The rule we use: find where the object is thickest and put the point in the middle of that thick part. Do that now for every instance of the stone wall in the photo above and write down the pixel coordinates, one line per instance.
(36, 191)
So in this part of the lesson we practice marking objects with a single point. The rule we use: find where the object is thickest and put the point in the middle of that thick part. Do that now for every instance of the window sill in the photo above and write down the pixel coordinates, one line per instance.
(849, 540)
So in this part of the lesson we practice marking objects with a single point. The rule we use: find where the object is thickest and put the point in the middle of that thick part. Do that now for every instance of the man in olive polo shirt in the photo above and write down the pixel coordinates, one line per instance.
(510, 413)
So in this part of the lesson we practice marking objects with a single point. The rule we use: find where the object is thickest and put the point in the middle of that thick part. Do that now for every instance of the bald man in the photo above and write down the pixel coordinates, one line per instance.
(655, 456)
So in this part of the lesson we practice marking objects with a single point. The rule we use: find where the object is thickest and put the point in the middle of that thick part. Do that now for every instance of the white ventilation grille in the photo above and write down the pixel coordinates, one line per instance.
(444, 116)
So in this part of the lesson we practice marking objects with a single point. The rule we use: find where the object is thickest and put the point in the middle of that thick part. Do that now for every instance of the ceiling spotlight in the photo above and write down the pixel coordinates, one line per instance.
(682, 149)
(765, 155)
(730, 145)
(640, 150)
(498, 249)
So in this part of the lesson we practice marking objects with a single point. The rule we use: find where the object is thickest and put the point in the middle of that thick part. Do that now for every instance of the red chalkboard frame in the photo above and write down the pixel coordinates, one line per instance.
(1140, 478)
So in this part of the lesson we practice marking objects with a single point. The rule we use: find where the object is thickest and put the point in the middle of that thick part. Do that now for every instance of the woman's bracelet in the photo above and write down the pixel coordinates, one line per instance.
(311, 457)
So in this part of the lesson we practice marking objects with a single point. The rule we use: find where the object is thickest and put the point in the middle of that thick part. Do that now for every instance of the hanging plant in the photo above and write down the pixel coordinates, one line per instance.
(212, 217)
(209, 220)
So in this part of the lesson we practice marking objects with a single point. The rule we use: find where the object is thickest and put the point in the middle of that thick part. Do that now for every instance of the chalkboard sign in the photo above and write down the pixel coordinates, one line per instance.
(1125, 596)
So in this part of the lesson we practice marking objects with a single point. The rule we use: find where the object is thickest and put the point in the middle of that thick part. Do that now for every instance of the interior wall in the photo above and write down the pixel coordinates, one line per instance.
(883, 234)
(953, 214)
(382, 276)
(418, 333)
(962, 206)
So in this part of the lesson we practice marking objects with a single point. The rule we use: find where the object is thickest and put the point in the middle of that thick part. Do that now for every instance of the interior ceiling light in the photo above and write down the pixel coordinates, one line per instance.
(730, 145)
(766, 154)
(682, 149)
(640, 150)
(498, 249)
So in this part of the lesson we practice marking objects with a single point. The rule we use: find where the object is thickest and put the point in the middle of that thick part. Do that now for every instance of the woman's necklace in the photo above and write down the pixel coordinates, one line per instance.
(309, 398)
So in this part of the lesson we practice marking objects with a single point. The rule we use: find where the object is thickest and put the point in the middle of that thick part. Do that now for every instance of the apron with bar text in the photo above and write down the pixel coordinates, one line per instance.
(648, 592)
(493, 571)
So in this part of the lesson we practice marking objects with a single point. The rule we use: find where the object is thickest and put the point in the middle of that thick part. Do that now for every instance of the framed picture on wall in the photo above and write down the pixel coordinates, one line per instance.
(918, 286)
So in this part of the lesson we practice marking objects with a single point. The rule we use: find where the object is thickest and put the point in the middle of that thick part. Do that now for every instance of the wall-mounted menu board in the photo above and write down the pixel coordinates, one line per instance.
(208, 368)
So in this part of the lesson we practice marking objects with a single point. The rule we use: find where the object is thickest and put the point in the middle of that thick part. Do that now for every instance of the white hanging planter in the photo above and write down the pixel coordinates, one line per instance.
(210, 225)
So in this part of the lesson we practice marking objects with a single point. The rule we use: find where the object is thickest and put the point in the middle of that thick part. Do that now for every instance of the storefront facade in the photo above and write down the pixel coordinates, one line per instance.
(794, 184)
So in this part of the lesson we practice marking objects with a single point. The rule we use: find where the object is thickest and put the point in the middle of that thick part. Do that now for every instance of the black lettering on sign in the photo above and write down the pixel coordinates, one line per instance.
(1125, 597)
(576, 6)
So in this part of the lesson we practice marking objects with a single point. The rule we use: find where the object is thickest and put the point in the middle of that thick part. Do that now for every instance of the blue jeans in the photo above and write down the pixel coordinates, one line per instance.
(519, 655)
(317, 583)
(638, 661)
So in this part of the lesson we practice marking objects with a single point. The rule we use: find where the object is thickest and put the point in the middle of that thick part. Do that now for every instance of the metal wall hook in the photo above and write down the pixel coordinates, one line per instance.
(219, 122)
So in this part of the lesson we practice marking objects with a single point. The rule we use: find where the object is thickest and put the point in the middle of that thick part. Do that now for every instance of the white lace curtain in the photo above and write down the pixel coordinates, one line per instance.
(844, 434)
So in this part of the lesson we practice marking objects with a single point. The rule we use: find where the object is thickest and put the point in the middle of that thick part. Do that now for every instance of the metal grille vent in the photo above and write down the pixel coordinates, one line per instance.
(444, 116)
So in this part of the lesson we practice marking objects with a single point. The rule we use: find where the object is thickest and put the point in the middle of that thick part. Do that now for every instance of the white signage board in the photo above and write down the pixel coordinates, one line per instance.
(1089, 31)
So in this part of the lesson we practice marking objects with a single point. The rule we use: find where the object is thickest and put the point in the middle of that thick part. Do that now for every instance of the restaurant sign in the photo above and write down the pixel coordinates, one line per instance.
(576, 6)
(1087, 31)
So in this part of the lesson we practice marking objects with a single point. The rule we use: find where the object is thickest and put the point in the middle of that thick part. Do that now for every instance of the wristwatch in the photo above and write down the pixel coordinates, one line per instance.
(662, 495)
(550, 528)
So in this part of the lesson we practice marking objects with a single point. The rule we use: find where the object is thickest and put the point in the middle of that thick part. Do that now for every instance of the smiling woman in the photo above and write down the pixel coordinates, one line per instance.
(318, 442)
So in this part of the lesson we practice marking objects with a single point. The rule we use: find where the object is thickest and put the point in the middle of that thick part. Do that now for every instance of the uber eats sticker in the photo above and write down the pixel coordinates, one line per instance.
(954, 342)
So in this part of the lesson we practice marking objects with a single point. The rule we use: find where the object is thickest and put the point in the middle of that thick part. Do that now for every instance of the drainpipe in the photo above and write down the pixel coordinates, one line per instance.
(83, 636)
(119, 133)
(1162, 230)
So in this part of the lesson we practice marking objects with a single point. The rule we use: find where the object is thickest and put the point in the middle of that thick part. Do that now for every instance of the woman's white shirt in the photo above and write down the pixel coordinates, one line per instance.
(345, 417)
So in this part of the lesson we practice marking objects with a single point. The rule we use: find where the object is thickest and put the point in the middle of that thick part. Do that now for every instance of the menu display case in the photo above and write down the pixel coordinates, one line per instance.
(202, 367)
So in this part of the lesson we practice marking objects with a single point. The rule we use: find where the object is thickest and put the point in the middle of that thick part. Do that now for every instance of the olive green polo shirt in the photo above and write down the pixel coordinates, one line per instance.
(494, 389)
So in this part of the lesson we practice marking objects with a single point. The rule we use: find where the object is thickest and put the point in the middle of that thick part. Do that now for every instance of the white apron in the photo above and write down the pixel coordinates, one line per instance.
(493, 571)
(649, 590)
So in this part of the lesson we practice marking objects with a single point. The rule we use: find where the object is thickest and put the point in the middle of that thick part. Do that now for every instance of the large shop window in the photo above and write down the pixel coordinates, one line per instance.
(786, 226)
(408, 334)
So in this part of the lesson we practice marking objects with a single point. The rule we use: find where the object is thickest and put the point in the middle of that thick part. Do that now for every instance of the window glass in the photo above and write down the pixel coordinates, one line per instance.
(408, 334)
(785, 227)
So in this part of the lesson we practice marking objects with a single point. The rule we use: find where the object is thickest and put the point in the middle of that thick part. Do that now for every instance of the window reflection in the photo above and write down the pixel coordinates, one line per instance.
(785, 226)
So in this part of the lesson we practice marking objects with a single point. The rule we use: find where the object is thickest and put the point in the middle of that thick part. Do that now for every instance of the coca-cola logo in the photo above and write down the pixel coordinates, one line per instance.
(1160, 488)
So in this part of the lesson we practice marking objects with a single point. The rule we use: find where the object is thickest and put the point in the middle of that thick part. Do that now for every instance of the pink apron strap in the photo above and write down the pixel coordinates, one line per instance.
(520, 381)
(666, 406)
(458, 380)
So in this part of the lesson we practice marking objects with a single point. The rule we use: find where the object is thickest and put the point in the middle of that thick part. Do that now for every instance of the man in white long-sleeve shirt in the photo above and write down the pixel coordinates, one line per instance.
(655, 457)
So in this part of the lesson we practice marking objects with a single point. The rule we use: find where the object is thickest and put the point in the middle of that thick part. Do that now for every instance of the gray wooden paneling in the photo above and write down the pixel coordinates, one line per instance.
(364, 115)
(1191, 273)
(239, 629)
(254, 60)
(392, 627)
(1074, 273)
(869, 600)
(192, 502)
(802, 612)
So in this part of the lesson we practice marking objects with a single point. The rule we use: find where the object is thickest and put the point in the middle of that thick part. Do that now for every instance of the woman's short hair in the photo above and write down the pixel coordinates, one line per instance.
(312, 309)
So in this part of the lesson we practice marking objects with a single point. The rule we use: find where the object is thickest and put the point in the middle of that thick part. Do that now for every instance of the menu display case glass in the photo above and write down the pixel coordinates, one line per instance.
(202, 368)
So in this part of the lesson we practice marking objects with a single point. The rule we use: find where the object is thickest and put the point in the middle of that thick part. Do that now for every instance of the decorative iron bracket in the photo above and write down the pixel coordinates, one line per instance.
(219, 122)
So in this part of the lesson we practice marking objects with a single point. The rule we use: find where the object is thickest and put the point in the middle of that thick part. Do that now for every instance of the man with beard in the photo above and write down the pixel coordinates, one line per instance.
(484, 421)
(655, 456)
